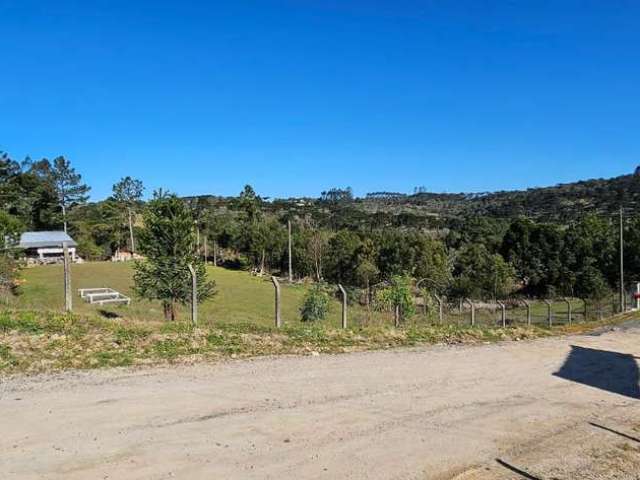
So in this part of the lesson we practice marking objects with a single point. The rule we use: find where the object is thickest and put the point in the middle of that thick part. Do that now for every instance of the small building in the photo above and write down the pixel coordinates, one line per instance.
(46, 247)
(125, 256)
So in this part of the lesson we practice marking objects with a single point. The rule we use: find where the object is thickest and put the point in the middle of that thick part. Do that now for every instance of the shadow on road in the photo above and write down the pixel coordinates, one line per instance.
(522, 473)
(623, 435)
(611, 371)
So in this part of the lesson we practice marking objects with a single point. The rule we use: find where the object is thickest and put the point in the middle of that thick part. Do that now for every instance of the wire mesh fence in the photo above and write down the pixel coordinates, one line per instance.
(508, 312)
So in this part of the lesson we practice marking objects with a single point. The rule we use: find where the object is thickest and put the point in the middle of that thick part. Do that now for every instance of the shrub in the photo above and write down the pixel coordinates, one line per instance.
(315, 304)
(9, 272)
(397, 295)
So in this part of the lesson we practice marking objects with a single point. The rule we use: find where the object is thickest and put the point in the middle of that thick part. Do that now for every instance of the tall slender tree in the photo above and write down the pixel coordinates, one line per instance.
(68, 185)
(128, 194)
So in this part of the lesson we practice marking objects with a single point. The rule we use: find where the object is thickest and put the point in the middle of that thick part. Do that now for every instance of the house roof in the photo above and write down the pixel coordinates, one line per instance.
(45, 239)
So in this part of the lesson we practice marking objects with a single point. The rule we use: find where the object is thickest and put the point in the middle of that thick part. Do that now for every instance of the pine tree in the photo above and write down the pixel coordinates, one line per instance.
(169, 244)
(68, 186)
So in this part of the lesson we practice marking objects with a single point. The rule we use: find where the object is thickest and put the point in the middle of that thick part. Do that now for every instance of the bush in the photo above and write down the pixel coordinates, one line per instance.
(315, 305)
(397, 295)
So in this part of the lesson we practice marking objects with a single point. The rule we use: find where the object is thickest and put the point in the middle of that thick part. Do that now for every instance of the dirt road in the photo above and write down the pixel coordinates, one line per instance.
(556, 408)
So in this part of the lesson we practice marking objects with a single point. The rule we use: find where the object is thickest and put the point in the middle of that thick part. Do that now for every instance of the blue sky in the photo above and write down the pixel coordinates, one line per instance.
(297, 96)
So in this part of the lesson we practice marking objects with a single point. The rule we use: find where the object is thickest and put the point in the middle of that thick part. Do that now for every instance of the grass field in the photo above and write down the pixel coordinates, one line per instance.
(35, 336)
(240, 297)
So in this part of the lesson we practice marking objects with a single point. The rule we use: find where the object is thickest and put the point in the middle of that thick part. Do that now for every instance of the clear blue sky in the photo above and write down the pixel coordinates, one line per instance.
(298, 96)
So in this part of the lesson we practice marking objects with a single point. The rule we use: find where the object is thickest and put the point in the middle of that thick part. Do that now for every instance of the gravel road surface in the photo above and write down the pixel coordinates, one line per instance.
(558, 408)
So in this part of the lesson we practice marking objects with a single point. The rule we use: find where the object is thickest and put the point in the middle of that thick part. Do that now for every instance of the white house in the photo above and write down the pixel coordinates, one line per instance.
(46, 247)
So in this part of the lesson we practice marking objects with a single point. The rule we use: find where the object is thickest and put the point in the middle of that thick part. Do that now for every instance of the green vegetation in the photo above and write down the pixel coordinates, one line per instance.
(315, 305)
(168, 242)
(240, 297)
(33, 341)
(550, 242)
(398, 297)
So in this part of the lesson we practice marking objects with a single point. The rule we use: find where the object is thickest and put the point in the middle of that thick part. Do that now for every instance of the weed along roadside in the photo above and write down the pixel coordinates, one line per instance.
(35, 341)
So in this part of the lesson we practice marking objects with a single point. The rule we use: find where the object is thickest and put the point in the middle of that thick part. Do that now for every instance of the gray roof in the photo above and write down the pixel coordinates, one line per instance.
(45, 239)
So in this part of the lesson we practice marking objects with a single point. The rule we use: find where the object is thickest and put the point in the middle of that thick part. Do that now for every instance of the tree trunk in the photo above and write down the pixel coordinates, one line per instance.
(169, 311)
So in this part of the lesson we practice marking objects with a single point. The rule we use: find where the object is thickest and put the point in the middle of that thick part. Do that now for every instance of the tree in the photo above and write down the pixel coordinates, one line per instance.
(397, 296)
(69, 189)
(317, 243)
(168, 242)
(481, 274)
(536, 252)
(250, 203)
(10, 229)
(342, 258)
(590, 283)
(128, 194)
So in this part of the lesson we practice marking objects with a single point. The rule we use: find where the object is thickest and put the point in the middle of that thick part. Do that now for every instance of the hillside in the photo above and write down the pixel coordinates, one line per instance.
(558, 203)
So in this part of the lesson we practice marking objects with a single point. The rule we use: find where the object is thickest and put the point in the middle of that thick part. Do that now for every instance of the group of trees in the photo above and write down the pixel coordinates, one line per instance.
(334, 238)
(480, 257)
(51, 195)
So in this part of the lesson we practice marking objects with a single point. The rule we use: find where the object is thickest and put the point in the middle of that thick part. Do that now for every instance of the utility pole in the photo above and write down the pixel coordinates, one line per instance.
(290, 263)
(622, 302)
(133, 245)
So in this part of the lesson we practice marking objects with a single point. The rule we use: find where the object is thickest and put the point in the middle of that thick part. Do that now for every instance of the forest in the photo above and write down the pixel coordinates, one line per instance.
(533, 243)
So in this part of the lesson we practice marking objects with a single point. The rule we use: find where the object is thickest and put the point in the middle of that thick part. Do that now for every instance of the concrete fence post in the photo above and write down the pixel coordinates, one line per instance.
(473, 311)
(276, 284)
(194, 296)
(396, 316)
(568, 302)
(344, 305)
(68, 298)
(638, 296)
(549, 313)
(440, 309)
(503, 310)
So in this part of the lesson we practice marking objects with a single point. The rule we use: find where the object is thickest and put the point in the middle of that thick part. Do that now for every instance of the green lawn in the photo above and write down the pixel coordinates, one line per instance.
(240, 297)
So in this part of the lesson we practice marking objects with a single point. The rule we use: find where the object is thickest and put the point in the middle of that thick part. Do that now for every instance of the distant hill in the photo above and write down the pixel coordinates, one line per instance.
(559, 203)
